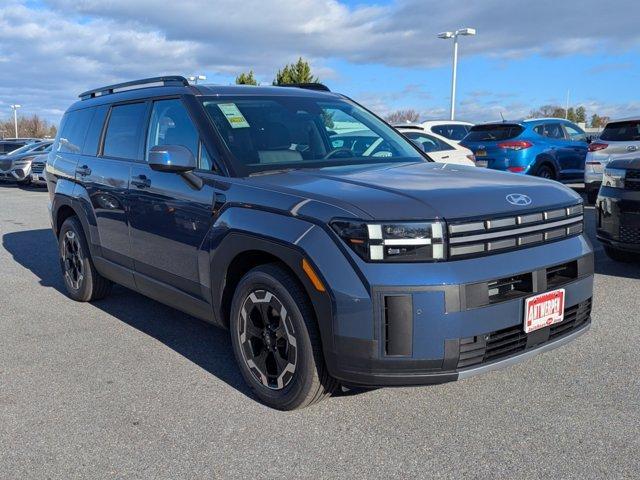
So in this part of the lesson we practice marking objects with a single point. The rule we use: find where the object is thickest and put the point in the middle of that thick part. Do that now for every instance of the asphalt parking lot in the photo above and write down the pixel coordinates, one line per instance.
(129, 388)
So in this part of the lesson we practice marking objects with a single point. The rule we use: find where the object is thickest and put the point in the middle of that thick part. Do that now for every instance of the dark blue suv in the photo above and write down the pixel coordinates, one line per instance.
(329, 266)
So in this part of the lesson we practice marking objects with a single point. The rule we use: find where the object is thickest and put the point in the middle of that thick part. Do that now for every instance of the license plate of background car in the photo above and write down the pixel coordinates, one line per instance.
(543, 310)
(482, 163)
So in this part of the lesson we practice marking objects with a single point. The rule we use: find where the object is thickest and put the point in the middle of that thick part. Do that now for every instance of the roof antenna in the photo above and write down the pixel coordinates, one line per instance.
(502, 116)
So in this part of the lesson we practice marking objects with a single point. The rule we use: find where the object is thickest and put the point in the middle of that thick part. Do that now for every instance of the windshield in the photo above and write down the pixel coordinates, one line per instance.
(500, 131)
(622, 131)
(24, 149)
(451, 131)
(279, 132)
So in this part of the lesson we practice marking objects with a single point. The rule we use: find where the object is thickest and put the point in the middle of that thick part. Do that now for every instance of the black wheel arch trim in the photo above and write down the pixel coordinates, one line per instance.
(235, 243)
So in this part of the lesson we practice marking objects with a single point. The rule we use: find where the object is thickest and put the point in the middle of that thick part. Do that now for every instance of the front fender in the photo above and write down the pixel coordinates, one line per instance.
(345, 309)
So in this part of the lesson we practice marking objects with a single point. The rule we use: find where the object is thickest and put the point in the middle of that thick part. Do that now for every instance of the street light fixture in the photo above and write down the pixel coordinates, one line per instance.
(445, 36)
(15, 108)
(194, 78)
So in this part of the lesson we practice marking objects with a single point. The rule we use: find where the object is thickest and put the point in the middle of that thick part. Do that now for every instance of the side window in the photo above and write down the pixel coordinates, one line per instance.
(550, 130)
(73, 130)
(122, 139)
(575, 134)
(171, 125)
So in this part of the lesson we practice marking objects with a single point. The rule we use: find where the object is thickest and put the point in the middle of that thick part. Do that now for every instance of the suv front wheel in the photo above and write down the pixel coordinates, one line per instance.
(276, 341)
(83, 282)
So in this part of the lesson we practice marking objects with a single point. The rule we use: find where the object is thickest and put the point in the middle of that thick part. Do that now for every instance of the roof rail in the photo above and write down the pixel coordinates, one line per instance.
(308, 86)
(169, 81)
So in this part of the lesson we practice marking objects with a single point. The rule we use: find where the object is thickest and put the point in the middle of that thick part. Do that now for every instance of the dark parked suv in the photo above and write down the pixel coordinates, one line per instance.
(618, 210)
(328, 266)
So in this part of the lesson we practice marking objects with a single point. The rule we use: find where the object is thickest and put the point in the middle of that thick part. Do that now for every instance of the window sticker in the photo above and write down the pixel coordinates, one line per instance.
(234, 116)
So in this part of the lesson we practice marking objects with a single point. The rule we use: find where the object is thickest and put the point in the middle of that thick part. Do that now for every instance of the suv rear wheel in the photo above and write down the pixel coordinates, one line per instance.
(83, 282)
(276, 341)
(545, 171)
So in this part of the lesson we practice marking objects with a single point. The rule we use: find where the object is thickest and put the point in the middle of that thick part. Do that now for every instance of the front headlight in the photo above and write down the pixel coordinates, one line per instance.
(613, 177)
(393, 241)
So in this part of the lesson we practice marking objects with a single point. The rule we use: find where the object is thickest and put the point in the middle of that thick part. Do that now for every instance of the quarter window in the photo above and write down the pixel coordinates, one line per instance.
(122, 139)
(74, 130)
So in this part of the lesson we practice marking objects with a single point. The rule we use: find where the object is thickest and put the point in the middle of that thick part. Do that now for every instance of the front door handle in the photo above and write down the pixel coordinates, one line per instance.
(83, 171)
(141, 181)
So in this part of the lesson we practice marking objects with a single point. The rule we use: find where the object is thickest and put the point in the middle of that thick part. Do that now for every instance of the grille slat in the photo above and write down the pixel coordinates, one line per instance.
(37, 167)
(629, 234)
(494, 235)
(510, 341)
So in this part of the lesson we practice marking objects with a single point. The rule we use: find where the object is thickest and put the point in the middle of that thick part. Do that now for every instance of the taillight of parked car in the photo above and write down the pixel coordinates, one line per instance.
(594, 147)
(516, 169)
(515, 145)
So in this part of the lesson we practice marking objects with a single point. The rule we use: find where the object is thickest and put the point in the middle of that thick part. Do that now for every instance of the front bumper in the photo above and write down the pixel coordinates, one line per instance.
(17, 173)
(618, 218)
(453, 330)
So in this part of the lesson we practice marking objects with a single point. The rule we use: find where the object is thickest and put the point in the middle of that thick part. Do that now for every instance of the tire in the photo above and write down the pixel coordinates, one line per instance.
(621, 255)
(592, 196)
(268, 347)
(545, 171)
(83, 282)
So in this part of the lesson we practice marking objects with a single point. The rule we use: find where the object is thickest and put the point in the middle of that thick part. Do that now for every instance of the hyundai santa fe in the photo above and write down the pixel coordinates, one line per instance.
(329, 264)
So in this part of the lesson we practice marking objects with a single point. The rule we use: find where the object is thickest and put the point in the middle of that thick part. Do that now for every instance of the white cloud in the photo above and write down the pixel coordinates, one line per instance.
(51, 52)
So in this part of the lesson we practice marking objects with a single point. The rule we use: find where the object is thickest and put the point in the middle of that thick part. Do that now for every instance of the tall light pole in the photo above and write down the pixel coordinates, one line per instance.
(15, 116)
(195, 78)
(454, 35)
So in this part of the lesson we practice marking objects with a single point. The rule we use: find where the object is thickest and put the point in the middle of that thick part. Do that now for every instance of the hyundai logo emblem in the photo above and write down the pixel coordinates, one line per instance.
(519, 199)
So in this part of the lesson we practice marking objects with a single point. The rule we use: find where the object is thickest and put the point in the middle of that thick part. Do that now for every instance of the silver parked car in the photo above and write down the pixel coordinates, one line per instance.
(620, 139)
(18, 165)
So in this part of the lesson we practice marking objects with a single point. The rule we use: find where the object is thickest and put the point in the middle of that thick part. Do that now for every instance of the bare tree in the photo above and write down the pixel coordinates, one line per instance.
(32, 126)
(403, 116)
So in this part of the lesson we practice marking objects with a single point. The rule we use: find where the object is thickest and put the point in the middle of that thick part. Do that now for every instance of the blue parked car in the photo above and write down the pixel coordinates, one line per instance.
(546, 147)
(329, 263)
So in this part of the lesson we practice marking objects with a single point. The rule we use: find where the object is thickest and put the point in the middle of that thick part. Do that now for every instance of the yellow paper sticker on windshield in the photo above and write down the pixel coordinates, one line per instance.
(234, 116)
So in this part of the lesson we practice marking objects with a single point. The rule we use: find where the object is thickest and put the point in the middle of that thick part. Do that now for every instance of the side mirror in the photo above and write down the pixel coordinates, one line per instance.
(419, 144)
(171, 158)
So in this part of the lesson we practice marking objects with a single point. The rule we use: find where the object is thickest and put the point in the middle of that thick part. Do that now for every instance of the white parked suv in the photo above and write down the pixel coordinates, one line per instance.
(439, 148)
(620, 139)
(450, 129)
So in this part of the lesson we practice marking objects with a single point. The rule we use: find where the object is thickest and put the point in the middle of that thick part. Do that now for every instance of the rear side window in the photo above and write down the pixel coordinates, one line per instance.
(429, 143)
(73, 130)
(487, 133)
(122, 139)
(452, 131)
(622, 131)
(550, 130)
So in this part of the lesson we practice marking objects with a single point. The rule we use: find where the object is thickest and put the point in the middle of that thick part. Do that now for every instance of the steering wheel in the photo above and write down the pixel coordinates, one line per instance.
(337, 151)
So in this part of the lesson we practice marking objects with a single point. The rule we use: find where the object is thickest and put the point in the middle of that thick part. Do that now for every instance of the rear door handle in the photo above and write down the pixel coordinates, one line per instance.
(83, 171)
(141, 181)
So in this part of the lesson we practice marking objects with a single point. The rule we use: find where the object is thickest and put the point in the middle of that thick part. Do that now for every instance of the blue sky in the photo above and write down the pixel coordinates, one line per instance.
(382, 53)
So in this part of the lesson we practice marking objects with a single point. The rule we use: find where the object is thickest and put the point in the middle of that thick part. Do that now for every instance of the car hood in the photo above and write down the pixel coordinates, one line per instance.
(420, 190)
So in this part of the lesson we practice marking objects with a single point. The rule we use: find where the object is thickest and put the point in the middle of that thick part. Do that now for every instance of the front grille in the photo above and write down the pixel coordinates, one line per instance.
(513, 340)
(629, 234)
(499, 234)
(37, 167)
(632, 180)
